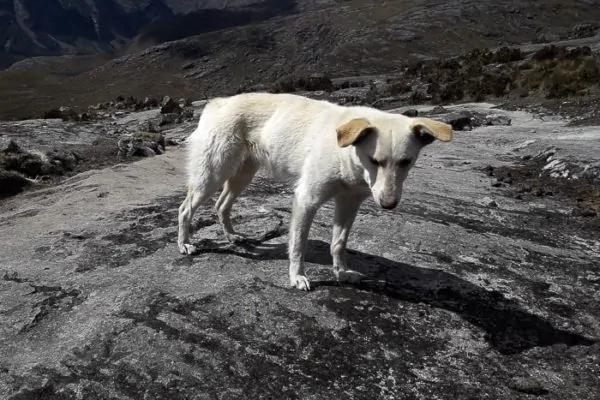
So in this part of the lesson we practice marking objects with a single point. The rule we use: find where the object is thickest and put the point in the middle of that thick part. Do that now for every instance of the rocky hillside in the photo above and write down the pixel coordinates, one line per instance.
(211, 52)
(88, 26)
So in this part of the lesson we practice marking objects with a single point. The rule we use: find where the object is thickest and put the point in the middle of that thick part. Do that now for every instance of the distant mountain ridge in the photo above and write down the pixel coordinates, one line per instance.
(88, 26)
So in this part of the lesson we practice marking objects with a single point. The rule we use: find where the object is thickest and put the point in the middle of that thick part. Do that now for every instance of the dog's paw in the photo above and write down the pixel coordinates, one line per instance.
(348, 275)
(300, 282)
(186, 249)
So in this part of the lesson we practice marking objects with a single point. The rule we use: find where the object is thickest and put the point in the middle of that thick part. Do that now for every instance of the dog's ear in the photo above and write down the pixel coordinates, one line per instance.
(353, 132)
(427, 130)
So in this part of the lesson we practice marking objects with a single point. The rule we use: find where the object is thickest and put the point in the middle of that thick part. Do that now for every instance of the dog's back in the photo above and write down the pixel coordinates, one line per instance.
(273, 129)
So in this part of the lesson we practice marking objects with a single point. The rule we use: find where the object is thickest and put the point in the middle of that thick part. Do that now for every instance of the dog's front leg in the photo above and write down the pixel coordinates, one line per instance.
(303, 212)
(346, 208)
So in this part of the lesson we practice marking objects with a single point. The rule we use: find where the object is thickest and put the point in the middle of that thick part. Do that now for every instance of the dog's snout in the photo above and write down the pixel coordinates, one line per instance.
(388, 202)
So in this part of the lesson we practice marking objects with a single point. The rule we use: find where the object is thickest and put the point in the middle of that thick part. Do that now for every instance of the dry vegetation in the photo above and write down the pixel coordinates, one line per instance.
(552, 72)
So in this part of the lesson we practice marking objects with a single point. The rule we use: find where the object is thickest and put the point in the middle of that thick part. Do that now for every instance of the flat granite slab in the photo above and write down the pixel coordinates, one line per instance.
(470, 292)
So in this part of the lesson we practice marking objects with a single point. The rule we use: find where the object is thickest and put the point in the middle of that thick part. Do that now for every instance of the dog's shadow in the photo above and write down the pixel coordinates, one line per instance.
(509, 328)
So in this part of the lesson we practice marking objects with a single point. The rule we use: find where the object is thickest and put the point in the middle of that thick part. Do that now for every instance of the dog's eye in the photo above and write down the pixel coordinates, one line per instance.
(374, 161)
(405, 162)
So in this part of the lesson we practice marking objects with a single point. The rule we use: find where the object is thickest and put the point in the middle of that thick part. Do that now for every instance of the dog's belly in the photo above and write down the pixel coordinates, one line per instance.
(278, 171)
(281, 162)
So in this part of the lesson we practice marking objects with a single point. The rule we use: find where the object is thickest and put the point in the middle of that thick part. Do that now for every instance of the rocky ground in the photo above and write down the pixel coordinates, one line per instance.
(37, 153)
(480, 285)
(483, 284)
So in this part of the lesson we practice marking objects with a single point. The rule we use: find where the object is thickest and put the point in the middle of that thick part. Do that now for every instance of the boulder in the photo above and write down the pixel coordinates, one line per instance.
(150, 102)
(459, 121)
(63, 160)
(499, 120)
(187, 114)
(411, 112)
(142, 144)
(170, 106)
(32, 163)
(438, 110)
(184, 102)
(7, 145)
(170, 118)
(12, 183)
(53, 113)
(149, 126)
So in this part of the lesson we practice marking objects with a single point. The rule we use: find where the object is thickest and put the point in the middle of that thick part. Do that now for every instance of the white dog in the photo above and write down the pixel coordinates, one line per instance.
(328, 150)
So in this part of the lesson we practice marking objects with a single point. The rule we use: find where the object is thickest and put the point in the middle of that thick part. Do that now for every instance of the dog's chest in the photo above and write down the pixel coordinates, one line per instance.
(280, 168)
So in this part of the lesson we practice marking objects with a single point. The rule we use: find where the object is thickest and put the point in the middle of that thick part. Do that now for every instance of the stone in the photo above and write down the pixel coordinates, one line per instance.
(459, 121)
(64, 159)
(145, 151)
(187, 114)
(593, 278)
(547, 37)
(497, 120)
(170, 118)
(199, 103)
(8, 145)
(184, 102)
(488, 202)
(149, 126)
(150, 103)
(527, 385)
(170, 106)
(144, 144)
(12, 183)
(438, 110)
(53, 114)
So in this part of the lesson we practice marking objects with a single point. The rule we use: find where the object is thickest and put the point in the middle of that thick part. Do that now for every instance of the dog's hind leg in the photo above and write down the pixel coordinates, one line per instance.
(185, 217)
(195, 197)
(231, 190)
(210, 172)
(346, 208)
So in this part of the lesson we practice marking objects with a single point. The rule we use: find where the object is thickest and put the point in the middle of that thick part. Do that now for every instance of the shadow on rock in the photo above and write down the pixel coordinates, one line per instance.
(508, 327)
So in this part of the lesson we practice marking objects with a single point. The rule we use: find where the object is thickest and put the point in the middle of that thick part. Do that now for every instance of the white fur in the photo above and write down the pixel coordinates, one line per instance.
(294, 138)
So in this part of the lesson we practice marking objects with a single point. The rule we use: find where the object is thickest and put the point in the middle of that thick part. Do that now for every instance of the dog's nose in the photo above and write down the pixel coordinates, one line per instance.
(389, 203)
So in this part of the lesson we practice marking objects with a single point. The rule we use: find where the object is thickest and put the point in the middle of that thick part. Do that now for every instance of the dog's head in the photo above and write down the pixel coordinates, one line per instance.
(386, 148)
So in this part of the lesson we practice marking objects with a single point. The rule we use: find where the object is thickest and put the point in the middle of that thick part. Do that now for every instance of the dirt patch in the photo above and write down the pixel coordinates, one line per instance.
(529, 180)
(582, 111)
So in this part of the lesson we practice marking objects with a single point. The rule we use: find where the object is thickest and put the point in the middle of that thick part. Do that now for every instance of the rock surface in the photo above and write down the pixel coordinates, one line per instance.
(462, 300)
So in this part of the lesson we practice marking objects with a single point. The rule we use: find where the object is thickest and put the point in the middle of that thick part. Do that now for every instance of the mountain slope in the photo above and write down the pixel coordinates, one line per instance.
(340, 38)
(88, 26)
(350, 38)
